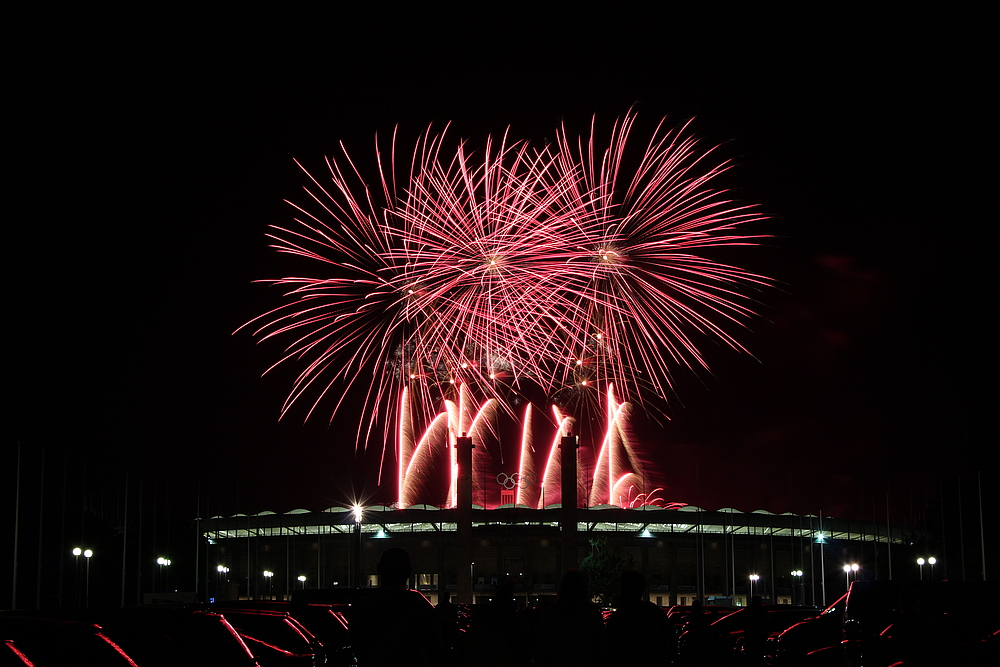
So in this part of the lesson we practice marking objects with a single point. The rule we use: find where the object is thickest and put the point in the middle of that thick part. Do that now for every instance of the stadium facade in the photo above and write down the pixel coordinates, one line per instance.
(684, 553)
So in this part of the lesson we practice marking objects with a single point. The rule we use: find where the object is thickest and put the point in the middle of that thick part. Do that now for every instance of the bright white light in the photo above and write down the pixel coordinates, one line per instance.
(358, 511)
(88, 553)
(77, 551)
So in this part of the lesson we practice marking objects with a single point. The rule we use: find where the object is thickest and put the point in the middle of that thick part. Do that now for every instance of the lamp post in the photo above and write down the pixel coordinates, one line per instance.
(753, 579)
(930, 561)
(162, 562)
(821, 540)
(302, 580)
(87, 554)
(76, 552)
(356, 564)
(796, 579)
(222, 570)
(269, 576)
(849, 570)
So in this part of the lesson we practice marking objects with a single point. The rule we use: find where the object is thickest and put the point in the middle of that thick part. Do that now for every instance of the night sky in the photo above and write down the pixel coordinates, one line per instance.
(152, 160)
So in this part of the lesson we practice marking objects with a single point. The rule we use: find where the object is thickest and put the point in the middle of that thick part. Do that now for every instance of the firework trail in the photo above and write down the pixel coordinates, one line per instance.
(646, 294)
(556, 266)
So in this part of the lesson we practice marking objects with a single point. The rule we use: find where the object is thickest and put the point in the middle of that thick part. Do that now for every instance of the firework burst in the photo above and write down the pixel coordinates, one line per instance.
(647, 295)
(554, 266)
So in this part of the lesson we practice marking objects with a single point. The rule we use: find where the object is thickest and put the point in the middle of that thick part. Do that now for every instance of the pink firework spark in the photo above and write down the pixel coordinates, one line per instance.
(647, 294)
(508, 264)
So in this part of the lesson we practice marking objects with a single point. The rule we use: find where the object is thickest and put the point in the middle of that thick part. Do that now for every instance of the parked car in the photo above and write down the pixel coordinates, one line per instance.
(852, 628)
(680, 615)
(739, 636)
(790, 647)
(326, 622)
(46, 641)
(276, 638)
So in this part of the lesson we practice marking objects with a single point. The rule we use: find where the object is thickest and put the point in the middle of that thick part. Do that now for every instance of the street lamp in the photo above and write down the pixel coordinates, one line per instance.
(222, 570)
(356, 542)
(849, 570)
(753, 579)
(302, 580)
(162, 562)
(76, 552)
(930, 561)
(87, 554)
(796, 577)
(268, 575)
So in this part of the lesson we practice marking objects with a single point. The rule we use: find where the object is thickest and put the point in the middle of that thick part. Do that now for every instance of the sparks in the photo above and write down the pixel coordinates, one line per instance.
(485, 268)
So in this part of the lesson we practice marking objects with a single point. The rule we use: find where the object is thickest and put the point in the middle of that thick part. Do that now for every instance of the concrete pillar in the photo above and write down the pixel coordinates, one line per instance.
(463, 517)
(570, 500)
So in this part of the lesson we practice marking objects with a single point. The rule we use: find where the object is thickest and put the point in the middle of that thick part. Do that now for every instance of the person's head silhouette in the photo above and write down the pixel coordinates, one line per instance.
(633, 585)
(394, 568)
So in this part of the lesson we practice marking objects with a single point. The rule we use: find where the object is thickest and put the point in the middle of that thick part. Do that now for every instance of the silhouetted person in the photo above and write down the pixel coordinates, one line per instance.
(394, 625)
(638, 631)
(698, 618)
(571, 632)
(496, 636)
(696, 627)
(755, 631)
(445, 603)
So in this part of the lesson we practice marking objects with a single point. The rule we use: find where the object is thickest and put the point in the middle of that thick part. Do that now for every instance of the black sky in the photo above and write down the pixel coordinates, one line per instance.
(154, 158)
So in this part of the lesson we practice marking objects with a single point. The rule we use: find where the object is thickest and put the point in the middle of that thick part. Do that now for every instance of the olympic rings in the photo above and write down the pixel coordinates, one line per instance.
(516, 480)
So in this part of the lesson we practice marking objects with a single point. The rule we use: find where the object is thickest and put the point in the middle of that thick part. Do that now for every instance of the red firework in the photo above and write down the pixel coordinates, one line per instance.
(510, 264)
